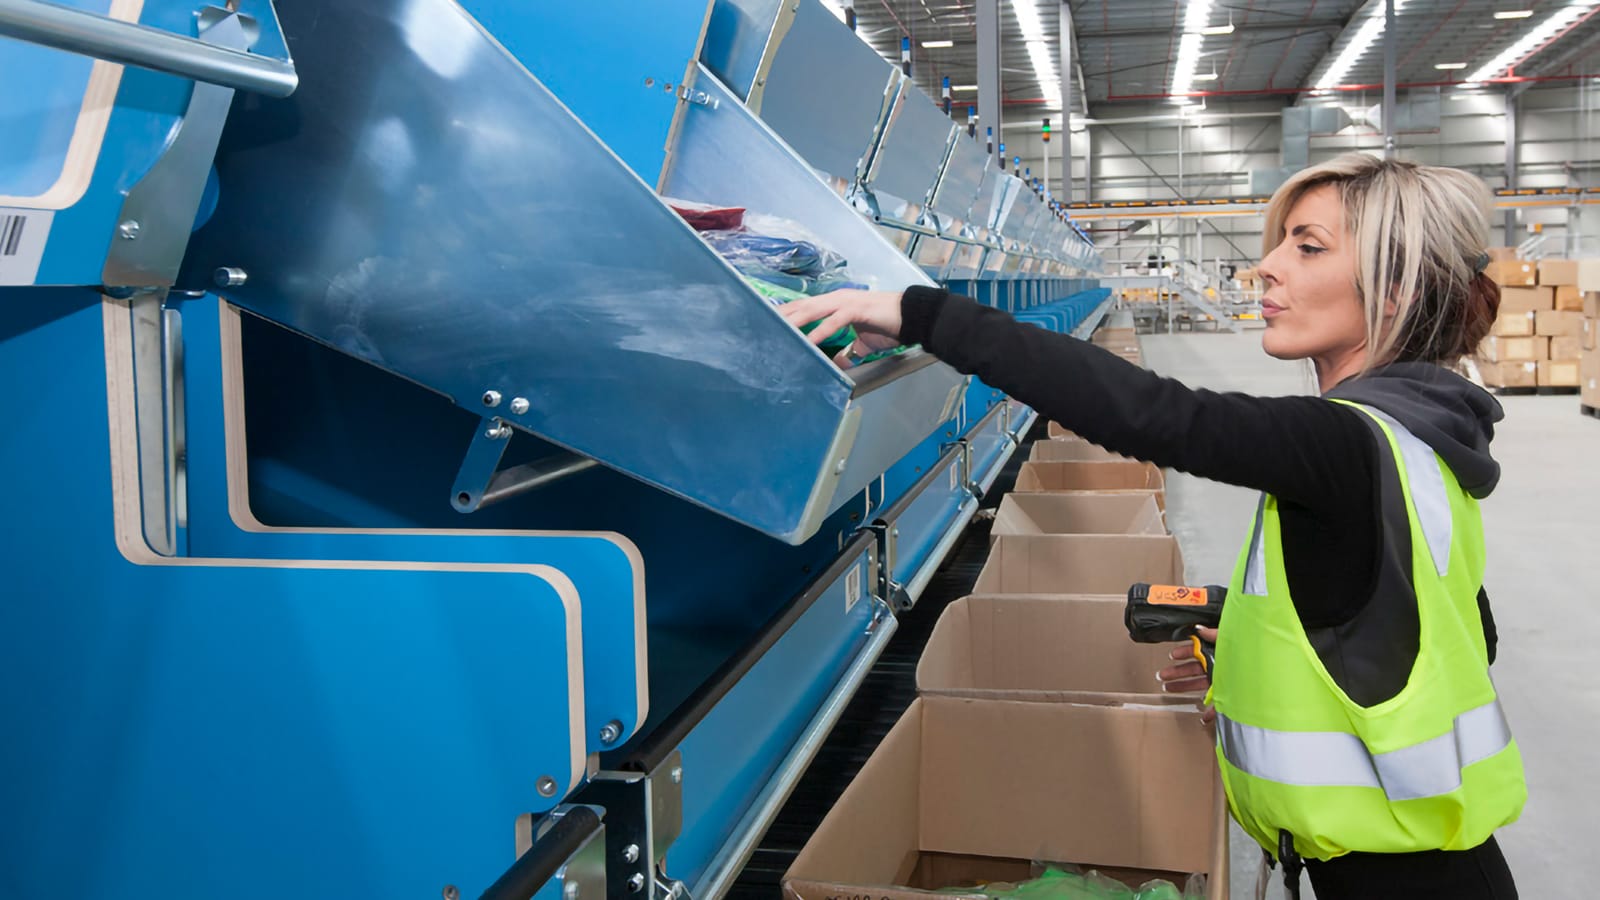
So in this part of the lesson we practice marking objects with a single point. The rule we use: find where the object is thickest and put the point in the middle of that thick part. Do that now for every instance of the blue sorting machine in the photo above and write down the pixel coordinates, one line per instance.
(402, 499)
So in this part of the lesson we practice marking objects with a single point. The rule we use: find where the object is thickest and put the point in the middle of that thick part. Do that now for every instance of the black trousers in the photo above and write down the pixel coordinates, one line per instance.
(1477, 874)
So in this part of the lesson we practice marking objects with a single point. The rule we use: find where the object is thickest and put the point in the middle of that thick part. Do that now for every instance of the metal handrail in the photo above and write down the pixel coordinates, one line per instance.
(130, 43)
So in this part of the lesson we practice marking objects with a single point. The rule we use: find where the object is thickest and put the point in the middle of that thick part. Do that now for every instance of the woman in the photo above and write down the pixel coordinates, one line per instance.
(1357, 725)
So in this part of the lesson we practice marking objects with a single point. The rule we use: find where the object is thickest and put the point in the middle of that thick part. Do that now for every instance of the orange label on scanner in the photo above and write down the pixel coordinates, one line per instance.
(1170, 595)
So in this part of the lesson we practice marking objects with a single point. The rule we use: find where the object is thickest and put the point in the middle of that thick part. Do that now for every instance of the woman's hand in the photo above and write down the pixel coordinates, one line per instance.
(875, 315)
(1188, 675)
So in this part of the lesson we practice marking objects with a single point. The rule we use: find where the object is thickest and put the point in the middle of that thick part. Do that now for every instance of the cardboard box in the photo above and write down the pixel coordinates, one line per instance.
(1079, 563)
(1515, 324)
(1501, 254)
(963, 792)
(1555, 323)
(1568, 297)
(1010, 648)
(1105, 336)
(1566, 349)
(1526, 299)
(1045, 477)
(1590, 339)
(1498, 348)
(1072, 451)
(1059, 432)
(1513, 272)
(1589, 274)
(1109, 513)
(1558, 373)
(1510, 374)
(1558, 271)
(1589, 379)
(1591, 304)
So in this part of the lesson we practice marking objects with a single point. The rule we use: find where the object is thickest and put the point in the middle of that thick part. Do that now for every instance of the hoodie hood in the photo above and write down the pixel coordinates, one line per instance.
(1447, 412)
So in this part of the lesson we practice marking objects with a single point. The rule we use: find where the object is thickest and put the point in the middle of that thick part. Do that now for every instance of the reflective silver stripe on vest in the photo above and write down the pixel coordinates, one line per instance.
(1428, 493)
(1335, 759)
(1255, 569)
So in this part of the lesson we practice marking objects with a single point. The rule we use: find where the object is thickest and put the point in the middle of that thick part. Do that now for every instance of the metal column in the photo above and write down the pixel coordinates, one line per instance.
(1512, 162)
(989, 112)
(1066, 31)
(1388, 79)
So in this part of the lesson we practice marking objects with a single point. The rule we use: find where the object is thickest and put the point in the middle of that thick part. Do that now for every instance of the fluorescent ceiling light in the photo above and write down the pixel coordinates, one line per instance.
(1449, 67)
(1194, 20)
(964, 87)
(1217, 30)
(936, 45)
(1044, 67)
(1533, 40)
(1205, 76)
(1513, 14)
(1366, 35)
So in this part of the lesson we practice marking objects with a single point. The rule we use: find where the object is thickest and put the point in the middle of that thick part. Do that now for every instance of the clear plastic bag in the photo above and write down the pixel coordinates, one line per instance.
(784, 253)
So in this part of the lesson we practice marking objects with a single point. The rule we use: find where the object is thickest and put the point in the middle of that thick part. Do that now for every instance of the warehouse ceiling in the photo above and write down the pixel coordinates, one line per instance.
(1128, 49)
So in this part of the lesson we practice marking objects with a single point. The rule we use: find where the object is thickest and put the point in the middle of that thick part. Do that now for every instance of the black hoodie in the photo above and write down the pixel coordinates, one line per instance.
(1318, 458)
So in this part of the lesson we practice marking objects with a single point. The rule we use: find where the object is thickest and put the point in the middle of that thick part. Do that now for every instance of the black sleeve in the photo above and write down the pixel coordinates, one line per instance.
(1304, 449)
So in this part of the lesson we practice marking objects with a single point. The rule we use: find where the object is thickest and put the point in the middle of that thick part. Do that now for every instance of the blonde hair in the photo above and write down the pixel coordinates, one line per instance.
(1420, 235)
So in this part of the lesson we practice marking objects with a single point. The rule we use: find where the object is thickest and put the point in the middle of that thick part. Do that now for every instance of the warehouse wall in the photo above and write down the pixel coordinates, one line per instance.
(1137, 155)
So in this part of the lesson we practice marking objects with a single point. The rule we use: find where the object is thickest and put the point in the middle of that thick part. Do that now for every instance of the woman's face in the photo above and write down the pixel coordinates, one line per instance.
(1311, 305)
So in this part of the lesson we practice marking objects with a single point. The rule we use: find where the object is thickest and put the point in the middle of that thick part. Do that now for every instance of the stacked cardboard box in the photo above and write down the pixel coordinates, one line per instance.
(1562, 323)
(1121, 341)
(1040, 732)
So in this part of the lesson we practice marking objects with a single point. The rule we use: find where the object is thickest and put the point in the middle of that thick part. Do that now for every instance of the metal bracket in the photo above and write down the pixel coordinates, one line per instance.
(478, 466)
(698, 97)
(158, 213)
(568, 849)
(644, 815)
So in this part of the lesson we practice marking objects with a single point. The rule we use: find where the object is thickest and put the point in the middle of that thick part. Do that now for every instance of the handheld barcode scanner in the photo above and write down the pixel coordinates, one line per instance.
(1163, 613)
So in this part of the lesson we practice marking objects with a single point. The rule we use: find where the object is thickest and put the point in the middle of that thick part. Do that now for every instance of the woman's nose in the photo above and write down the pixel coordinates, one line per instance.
(1268, 268)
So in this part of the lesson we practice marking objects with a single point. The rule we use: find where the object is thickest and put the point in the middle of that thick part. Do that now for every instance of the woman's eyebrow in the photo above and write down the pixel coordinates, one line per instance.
(1299, 229)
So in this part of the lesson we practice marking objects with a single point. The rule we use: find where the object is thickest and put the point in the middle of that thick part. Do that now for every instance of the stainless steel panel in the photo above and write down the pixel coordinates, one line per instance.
(728, 156)
(912, 152)
(963, 176)
(827, 92)
(737, 38)
(425, 204)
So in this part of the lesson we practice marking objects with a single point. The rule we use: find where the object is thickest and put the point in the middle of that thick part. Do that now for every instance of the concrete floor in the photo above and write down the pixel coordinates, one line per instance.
(1541, 523)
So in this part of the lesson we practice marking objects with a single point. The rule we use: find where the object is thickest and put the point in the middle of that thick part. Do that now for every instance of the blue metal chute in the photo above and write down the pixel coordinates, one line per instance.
(517, 255)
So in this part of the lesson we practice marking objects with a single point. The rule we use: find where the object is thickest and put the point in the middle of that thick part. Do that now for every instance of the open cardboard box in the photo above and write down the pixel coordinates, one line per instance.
(1054, 477)
(1089, 513)
(1079, 564)
(1044, 648)
(1073, 451)
(1059, 432)
(965, 792)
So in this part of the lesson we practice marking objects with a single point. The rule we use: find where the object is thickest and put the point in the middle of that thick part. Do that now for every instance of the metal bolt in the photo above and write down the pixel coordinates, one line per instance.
(570, 890)
(451, 892)
(519, 405)
(610, 732)
(491, 399)
(547, 786)
(896, 533)
(636, 883)
(630, 854)
(498, 432)
(229, 276)
(128, 230)
(677, 774)
(839, 469)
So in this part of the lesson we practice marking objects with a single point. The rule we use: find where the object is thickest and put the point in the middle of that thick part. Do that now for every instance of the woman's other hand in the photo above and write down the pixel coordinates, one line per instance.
(1188, 675)
(875, 315)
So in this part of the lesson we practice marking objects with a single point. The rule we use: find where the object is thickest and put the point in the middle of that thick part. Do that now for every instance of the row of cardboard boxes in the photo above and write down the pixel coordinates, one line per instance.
(1543, 339)
(1040, 734)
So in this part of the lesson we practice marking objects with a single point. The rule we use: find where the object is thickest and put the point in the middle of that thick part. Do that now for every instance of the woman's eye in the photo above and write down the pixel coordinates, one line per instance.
(1312, 249)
